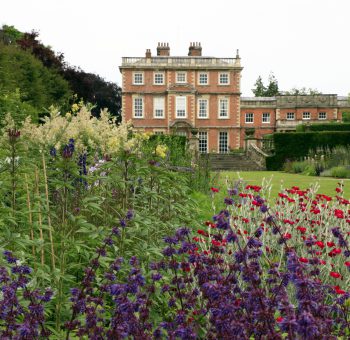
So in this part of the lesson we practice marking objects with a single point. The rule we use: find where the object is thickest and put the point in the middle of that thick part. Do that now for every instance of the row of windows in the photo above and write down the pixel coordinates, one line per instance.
(181, 78)
(249, 117)
(306, 115)
(180, 107)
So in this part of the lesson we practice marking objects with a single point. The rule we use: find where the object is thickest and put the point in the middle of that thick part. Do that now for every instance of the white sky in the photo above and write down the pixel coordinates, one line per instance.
(303, 42)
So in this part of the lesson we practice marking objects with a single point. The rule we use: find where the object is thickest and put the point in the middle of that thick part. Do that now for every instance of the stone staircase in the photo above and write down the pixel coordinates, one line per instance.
(233, 162)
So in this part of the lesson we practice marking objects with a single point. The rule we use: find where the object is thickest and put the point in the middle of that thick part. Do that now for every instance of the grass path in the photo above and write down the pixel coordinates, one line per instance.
(279, 180)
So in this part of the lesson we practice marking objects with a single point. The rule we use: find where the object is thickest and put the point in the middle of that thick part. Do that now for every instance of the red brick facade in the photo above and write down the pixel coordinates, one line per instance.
(167, 94)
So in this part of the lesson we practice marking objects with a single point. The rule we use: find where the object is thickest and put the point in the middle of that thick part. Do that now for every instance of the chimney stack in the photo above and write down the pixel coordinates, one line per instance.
(148, 53)
(163, 50)
(195, 49)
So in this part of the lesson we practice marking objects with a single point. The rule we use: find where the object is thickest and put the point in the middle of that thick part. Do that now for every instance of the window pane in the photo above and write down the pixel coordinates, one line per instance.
(223, 108)
(203, 78)
(159, 78)
(181, 77)
(223, 142)
(203, 142)
(158, 103)
(203, 108)
(138, 107)
(138, 78)
(180, 107)
(266, 117)
(223, 78)
(249, 118)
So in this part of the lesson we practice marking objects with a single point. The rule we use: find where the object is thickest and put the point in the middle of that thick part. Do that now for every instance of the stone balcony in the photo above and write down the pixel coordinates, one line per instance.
(182, 62)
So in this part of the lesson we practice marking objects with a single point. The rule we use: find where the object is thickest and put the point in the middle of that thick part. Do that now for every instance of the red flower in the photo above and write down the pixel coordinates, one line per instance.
(338, 290)
(347, 263)
(320, 244)
(279, 319)
(287, 236)
(214, 189)
(330, 244)
(301, 229)
(335, 275)
(216, 243)
(339, 213)
(303, 260)
(338, 190)
(202, 232)
(334, 252)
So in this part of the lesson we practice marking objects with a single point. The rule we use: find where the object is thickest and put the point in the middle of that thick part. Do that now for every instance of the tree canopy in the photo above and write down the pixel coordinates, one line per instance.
(270, 90)
(64, 80)
(25, 80)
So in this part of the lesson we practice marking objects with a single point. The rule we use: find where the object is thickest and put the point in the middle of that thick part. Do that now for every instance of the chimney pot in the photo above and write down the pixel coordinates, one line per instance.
(163, 49)
(195, 49)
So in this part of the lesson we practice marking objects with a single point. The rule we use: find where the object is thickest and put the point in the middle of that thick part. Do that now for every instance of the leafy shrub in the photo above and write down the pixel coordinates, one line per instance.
(340, 172)
(299, 167)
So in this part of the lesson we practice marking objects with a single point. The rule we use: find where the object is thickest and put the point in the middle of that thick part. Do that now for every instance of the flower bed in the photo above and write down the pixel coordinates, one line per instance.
(253, 271)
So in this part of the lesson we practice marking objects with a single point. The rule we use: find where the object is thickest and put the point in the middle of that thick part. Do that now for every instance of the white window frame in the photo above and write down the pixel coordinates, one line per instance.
(227, 108)
(323, 118)
(267, 118)
(136, 73)
(304, 115)
(155, 74)
(220, 80)
(177, 104)
(251, 118)
(227, 141)
(155, 108)
(201, 149)
(290, 113)
(134, 109)
(203, 115)
(181, 81)
(199, 78)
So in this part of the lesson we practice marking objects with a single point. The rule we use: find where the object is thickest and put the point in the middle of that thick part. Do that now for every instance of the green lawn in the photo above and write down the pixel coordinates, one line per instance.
(278, 180)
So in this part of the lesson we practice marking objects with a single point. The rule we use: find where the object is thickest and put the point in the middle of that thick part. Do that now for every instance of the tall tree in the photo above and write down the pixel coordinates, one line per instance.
(272, 88)
(24, 78)
(260, 89)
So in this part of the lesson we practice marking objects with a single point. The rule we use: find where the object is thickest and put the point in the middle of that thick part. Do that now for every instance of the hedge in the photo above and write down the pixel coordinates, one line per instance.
(323, 127)
(296, 145)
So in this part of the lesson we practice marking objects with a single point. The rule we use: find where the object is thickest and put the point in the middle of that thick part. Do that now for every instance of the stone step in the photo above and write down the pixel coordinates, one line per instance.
(232, 162)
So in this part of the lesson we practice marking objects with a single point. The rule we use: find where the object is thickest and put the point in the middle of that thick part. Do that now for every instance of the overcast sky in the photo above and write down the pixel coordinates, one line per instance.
(303, 42)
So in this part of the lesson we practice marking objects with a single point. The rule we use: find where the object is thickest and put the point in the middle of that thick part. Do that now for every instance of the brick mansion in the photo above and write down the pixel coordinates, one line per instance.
(183, 94)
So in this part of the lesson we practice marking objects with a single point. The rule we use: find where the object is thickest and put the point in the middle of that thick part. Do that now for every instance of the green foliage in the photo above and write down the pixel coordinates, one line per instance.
(261, 90)
(24, 80)
(10, 102)
(54, 211)
(88, 87)
(9, 34)
(294, 146)
(92, 88)
(346, 116)
(340, 172)
(302, 91)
